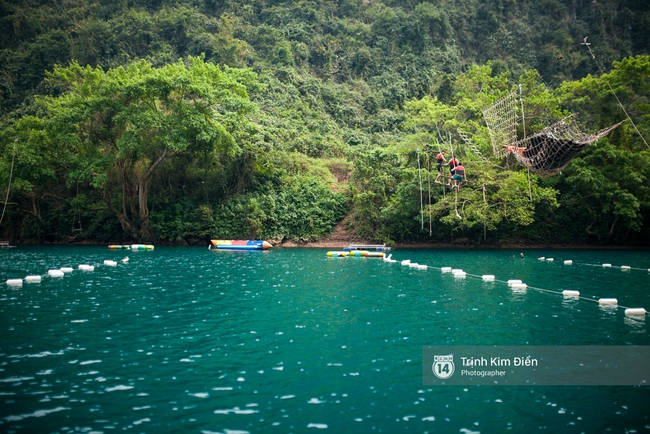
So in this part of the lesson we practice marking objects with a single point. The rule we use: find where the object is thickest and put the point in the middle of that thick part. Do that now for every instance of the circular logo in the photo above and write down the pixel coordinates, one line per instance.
(443, 366)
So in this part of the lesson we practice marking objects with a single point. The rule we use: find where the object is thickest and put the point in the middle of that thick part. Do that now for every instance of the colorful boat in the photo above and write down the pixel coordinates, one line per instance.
(241, 244)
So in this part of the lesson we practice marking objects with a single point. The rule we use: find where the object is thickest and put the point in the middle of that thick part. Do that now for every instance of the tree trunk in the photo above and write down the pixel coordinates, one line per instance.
(126, 224)
(143, 193)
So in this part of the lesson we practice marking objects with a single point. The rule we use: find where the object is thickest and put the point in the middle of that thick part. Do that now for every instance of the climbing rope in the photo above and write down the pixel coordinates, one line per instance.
(421, 200)
(11, 173)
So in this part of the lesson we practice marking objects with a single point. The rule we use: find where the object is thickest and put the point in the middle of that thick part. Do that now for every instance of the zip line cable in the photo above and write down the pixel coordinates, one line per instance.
(588, 45)
(11, 173)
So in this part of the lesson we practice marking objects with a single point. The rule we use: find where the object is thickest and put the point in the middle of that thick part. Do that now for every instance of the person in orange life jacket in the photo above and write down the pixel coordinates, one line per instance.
(459, 175)
(452, 168)
(440, 160)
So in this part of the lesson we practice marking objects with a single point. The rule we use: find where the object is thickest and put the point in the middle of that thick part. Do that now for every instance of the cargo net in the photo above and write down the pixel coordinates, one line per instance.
(545, 153)
(502, 120)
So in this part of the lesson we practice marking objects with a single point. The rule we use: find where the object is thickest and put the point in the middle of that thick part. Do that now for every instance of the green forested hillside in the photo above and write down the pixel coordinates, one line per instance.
(184, 120)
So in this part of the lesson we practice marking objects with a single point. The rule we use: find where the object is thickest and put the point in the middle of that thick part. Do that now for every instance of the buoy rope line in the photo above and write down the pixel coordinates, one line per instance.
(550, 291)
(60, 272)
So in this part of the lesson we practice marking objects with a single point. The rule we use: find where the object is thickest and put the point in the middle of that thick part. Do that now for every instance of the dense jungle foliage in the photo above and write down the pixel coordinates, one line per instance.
(184, 120)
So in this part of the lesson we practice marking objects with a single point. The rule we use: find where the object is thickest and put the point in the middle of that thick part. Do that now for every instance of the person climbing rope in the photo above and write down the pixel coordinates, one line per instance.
(453, 163)
(458, 176)
(440, 160)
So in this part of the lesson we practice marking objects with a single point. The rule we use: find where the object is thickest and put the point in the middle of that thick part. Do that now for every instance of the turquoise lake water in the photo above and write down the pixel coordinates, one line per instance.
(290, 340)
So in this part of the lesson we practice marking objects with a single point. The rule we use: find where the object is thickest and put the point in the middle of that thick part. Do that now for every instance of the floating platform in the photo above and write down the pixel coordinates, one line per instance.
(357, 253)
(5, 245)
(131, 247)
(375, 247)
(240, 244)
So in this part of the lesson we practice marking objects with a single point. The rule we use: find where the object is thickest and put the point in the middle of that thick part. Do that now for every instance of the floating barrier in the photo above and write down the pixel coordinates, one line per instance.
(15, 282)
(549, 259)
(635, 311)
(86, 267)
(611, 301)
(33, 279)
(541, 259)
(518, 286)
(341, 254)
(66, 269)
(118, 247)
(241, 244)
(141, 247)
(55, 273)
(110, 263)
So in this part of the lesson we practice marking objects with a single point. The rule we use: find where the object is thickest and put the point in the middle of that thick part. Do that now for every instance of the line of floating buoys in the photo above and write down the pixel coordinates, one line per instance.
(61, 272)
(518, 286)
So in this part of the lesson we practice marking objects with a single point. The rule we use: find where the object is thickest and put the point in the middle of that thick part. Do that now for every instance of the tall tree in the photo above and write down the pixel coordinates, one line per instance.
(120, 125)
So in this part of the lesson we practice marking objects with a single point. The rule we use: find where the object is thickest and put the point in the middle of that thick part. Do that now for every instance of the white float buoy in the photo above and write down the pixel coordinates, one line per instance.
(607, 265)
(82, 266)
(15, 282)
(110, 263)
(635, 311)
(607, 301)
(570, 293)
(625, 267)
(458, 273)
(519, 286)
(66, 269)
(33, 279)
(549, 259)
(488, 277)
(513, 281)
(568, 262)
(446, 269)
(405, 262)
(541, 258)
(413, 265)
(89, 268)
(422, 267)
(55, 273)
